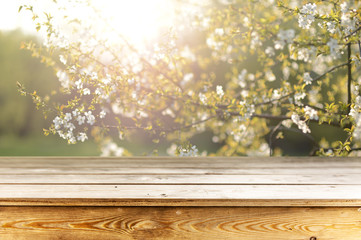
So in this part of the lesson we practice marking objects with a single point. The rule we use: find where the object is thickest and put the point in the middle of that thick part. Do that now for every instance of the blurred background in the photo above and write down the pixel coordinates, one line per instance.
(21, 124)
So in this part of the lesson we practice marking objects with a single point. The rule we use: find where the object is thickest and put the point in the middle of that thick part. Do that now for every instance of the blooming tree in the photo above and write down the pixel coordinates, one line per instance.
(247, 71)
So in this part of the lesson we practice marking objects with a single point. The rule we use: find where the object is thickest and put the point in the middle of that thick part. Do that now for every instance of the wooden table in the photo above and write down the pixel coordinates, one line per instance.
(180, 198)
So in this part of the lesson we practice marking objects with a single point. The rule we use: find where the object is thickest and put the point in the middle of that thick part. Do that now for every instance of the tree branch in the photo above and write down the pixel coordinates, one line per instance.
(330, 70)
(160, 129)
(291, 93)
(349, 77)
(352, 33)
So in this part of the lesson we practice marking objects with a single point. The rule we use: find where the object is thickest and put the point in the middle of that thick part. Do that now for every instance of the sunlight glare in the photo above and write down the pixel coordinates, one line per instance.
(139, 21)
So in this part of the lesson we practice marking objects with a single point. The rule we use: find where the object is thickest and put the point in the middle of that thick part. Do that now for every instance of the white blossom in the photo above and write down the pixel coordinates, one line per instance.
(73, 69)
(284, 37)
(305, 54)
(76, 112)
(311, 113)
(270, 51)
(187, 77)
(348, 23)
(86, 91)
(79, 84)
(300, 124)
(344, 7)
(80, 119)
(168, 112)
(298, 97)
(270, 76)
(307, 78)
(62, 59)
(242, 78)
(202, 98)
(90, 117)
(219, 31)
(191, 152)
(307, 15)
(255, 40)
(219, 90)
(276, 94)
(102, 114)
(287, 123)
(63, 79)
(71, 140)
(239, 132)
(58, 122)
(82, 137)
(94, 76)
(111, 149)
(331, 27)
(213, 44)
(67, 117)
(69, 126)
(98, 91)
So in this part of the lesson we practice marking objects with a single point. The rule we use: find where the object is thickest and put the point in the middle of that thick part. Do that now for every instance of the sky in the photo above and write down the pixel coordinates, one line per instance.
(130, 19)
(11, 19)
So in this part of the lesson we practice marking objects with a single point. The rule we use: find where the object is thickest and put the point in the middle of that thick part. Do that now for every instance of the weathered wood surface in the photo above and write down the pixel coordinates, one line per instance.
(212, 181)
(180, 179)
(164, 223)
(187, 198)
(183, 191)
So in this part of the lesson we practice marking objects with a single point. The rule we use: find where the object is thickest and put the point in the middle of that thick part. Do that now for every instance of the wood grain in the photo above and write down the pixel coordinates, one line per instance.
(180, 198)
(199, 162)
(179, 223)
(176, 171)
(157, 202)
(183, 191)
(180, 179)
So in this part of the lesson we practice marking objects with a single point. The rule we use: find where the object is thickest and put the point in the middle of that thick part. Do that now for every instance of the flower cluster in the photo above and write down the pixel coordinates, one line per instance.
(284, 37)
(311, 113)
(220, 91)
(110, 148)
(307, 15)
(348, 22)
(65, 127)
(188, 152)
(300, 123)
(307, 78)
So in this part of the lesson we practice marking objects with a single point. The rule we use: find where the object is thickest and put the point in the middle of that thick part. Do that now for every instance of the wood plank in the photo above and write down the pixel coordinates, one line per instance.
(177, 171)
(153, 165)
(354, 179)
(182, 191)
(190, 159)
(87, 223)
(181, 162)
(133, 202)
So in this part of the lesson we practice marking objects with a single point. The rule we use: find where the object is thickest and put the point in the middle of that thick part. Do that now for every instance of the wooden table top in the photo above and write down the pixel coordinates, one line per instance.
(165, 181)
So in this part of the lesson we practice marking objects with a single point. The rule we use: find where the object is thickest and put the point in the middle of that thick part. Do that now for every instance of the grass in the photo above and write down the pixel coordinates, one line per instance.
(39, 145)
